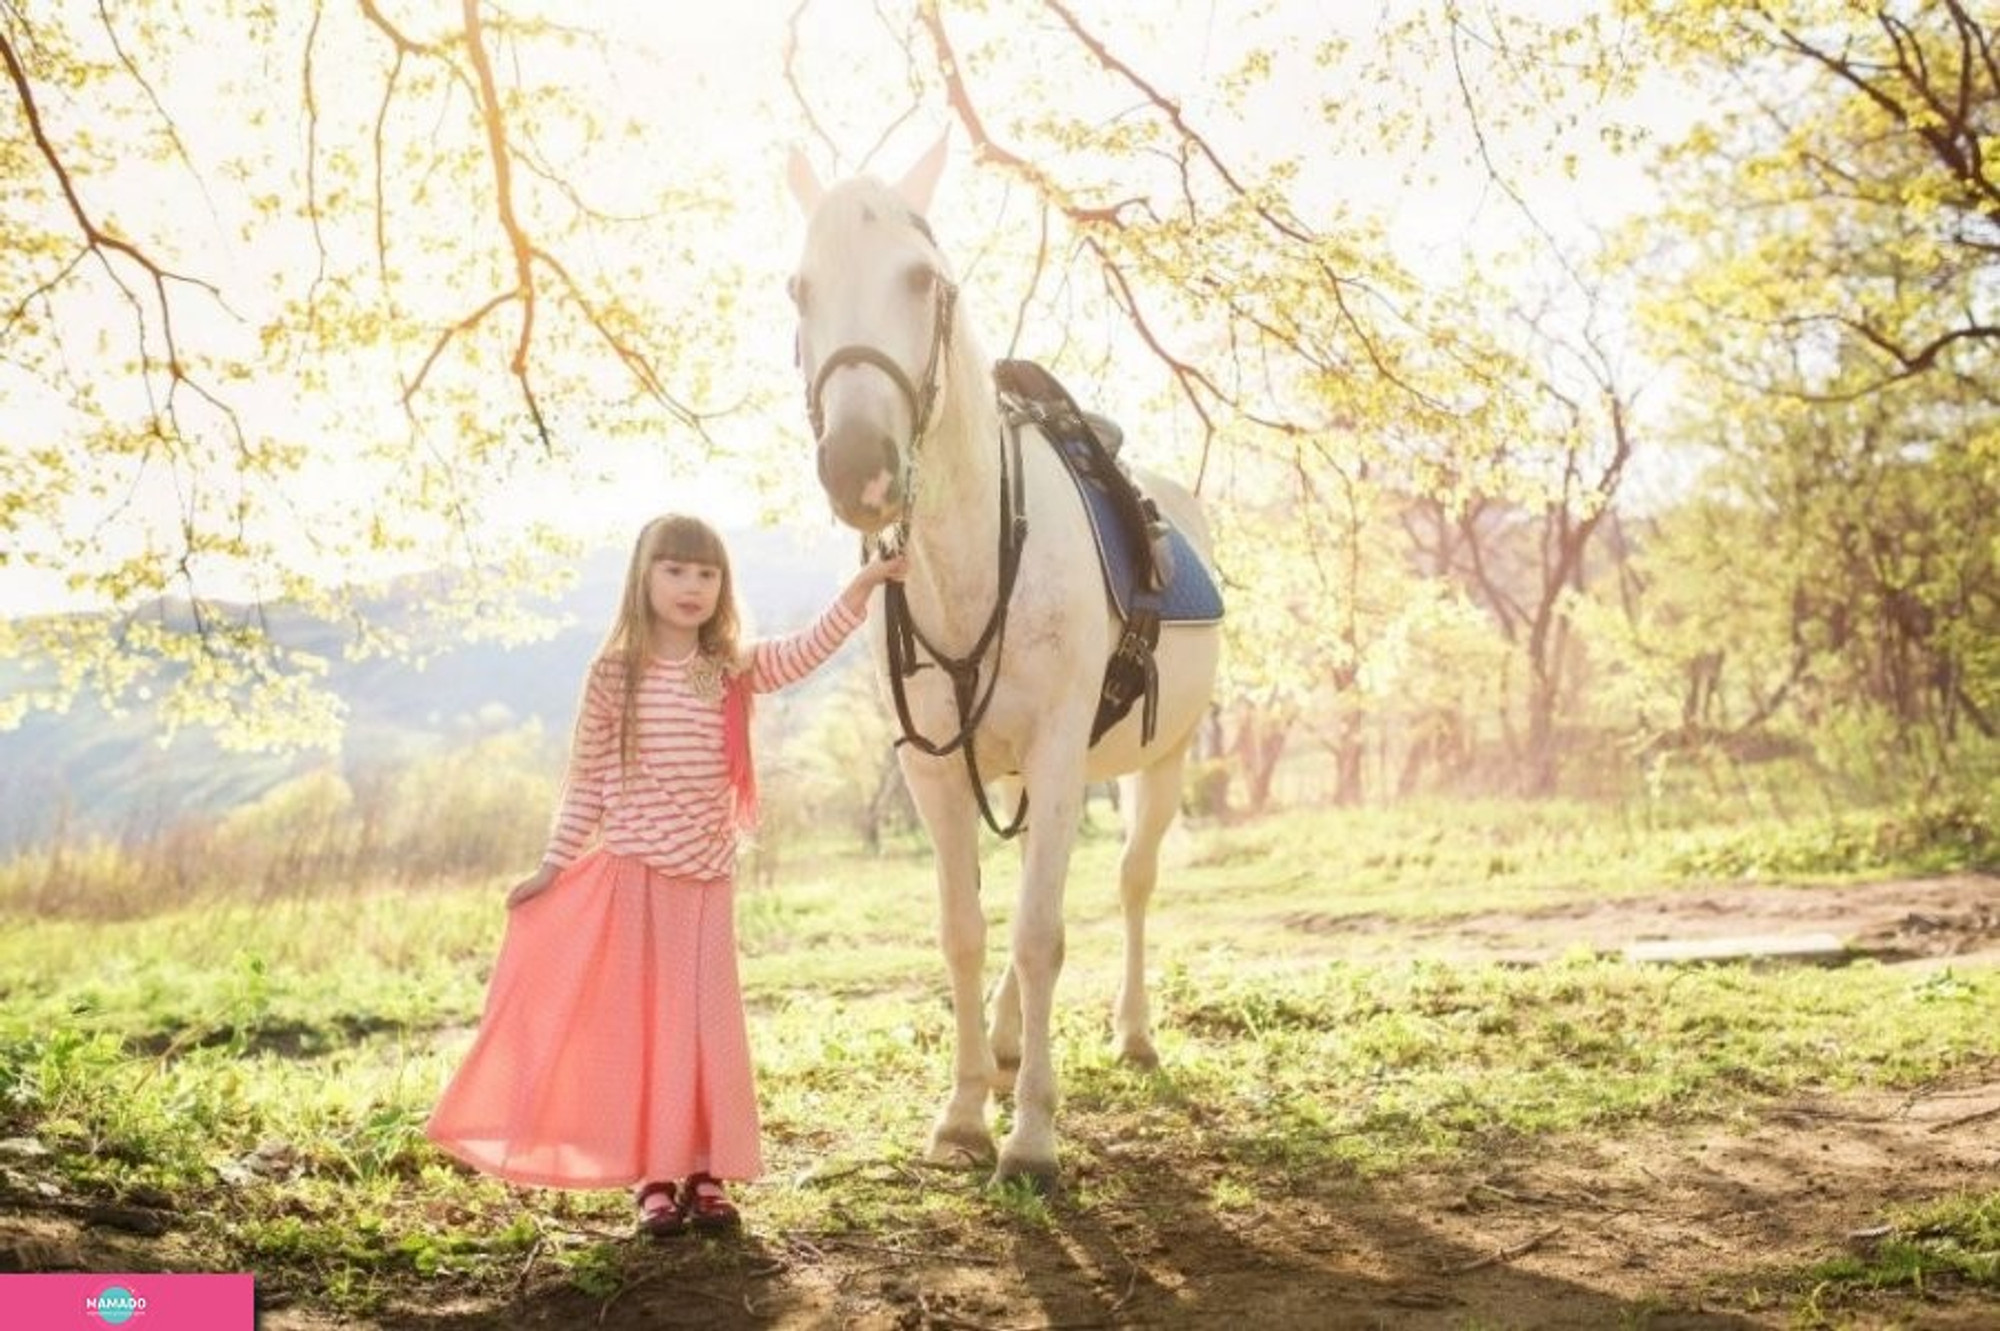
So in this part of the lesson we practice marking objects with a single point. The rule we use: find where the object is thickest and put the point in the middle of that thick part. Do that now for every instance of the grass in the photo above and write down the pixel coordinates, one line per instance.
(1953, 1240)
(268, 1067)
(1379, 1068)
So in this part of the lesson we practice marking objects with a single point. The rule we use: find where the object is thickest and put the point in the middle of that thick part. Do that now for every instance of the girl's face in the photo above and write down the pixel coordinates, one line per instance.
(682, 594)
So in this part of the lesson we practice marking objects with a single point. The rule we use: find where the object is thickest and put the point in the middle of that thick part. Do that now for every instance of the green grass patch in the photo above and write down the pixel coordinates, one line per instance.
(1377, 1068)
(1950, 836)
(1941, 1244)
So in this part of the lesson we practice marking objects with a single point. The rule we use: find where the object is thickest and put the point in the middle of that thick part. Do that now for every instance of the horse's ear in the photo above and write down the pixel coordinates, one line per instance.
(803, 181)
(920, 182)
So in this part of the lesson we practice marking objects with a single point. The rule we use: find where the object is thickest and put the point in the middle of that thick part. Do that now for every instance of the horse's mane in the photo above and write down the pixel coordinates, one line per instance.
(968, 378)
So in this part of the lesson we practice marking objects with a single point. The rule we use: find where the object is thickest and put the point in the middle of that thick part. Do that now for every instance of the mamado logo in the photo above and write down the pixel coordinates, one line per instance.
(114, 1305)
(126, 1300)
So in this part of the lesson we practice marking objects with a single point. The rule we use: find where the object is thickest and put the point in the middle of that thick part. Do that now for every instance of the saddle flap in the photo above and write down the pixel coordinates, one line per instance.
(1151, 571)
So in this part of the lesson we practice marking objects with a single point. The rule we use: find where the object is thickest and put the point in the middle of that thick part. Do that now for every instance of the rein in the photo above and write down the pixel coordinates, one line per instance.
(903, 635)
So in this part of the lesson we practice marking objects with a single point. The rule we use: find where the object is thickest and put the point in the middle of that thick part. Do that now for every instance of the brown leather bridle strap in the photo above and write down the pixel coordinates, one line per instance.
(904, 638)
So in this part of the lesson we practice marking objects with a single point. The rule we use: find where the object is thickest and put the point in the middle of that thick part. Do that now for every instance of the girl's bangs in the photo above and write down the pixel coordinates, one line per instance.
(688, 541)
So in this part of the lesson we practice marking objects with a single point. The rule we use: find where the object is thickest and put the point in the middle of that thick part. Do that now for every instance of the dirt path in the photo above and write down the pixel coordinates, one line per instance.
(1896, 922)
(1656, 1230)
(1660, 1228)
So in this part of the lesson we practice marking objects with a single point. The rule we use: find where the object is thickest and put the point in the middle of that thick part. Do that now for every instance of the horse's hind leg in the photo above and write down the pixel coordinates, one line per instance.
(1150, 798)
(1004, 1035)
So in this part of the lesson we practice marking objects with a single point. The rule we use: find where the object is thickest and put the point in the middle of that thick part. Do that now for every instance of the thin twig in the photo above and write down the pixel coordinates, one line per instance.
(1131, 1288)
(528, 1266)
(627, 1288)
(791, 52)
(918, 1254)
(1522, 1248)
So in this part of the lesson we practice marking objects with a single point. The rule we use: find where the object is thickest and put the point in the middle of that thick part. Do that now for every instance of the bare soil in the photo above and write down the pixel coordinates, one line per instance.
(1659, 1228)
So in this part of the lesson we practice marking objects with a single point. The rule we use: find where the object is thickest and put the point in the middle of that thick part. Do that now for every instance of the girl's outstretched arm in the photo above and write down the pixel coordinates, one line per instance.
(776, 662)
(870, 576)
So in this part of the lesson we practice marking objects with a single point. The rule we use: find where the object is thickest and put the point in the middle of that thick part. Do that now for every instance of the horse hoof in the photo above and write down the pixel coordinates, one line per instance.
(959, 1148)
(1139, 1053)
(1041, 1178)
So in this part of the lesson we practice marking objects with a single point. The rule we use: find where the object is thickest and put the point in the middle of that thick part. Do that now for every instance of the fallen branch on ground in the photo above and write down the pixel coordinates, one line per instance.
(1520, 1249)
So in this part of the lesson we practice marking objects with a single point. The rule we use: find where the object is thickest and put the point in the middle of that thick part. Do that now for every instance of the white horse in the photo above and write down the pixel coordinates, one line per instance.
(910, 434)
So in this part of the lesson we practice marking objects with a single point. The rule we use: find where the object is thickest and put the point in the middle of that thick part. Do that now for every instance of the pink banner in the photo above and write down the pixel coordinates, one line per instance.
(143, 1302)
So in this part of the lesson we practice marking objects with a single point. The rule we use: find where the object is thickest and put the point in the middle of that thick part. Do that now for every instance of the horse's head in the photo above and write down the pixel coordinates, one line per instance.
(875, 307)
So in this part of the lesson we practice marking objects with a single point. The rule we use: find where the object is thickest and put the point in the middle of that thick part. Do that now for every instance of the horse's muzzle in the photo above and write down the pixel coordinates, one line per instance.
(858, 469)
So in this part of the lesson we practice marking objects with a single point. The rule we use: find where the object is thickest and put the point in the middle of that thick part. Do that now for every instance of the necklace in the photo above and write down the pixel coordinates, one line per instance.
(703, 674)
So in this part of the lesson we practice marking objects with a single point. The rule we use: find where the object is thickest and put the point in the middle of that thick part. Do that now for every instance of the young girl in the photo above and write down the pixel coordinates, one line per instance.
(613, 1048)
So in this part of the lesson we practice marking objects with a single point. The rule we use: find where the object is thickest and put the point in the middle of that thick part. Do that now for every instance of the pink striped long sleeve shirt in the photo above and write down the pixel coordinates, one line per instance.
(674, 808)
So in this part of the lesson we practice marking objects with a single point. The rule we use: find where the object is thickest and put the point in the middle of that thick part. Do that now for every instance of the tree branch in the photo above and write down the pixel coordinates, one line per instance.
(1922, 358)
(1034, 281)
(1946, 141)
(642, 369)
(312, 153)
(444, 339)
(97, 238)
(503, 198)
(103, 246)
(405, 45)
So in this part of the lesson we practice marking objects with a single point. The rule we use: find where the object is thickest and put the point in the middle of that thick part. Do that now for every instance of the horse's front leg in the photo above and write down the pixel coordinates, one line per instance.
(1055, 798)
(944, 801)
(1003, 1035)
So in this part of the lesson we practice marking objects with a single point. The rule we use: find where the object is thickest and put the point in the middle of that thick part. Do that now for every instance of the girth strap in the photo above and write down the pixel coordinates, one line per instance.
(1130, 675)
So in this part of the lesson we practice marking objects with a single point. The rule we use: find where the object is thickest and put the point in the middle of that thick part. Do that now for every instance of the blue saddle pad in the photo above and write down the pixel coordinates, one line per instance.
(1190, 598)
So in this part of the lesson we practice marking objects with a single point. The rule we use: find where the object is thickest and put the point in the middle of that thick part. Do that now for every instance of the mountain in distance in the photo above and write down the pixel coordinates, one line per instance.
(87, 770)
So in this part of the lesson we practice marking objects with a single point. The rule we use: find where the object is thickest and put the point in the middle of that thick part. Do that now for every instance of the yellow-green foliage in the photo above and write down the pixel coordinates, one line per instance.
(488, 806)
(484, 808)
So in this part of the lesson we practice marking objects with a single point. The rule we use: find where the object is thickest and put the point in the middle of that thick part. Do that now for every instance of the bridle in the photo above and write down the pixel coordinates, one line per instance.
(921, 400)
(903, 635)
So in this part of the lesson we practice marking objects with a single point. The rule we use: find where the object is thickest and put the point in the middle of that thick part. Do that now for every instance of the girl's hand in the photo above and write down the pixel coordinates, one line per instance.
(532, 886)
(871, 575)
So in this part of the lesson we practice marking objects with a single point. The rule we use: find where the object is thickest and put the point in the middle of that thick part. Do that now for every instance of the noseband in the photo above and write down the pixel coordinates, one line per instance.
(860, 353)
(921, 400)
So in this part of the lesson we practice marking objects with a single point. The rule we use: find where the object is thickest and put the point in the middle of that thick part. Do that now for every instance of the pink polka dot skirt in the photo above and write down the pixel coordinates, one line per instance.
(613, 1048)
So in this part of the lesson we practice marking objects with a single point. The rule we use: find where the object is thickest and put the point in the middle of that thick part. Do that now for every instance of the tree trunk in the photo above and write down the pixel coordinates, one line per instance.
(1540, 778)
(1260, 742)
(1347, 760)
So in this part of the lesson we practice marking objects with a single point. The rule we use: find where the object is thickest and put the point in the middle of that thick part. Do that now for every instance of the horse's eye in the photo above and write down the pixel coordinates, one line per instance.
(795, 287)
(920, 280)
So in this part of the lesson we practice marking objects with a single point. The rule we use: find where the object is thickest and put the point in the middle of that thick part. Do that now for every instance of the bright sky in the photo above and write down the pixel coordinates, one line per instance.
(721, 84)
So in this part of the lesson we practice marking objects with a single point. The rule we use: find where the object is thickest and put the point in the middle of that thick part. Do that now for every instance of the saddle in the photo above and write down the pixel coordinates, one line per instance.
(1151, 571)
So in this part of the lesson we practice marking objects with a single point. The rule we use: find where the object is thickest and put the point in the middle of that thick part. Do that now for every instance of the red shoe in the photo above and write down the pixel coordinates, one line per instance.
(706, 1205)
(661, 1213)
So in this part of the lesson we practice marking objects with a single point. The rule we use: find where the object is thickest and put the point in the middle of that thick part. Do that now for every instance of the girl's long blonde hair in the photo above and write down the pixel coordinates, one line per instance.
(691, 541)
